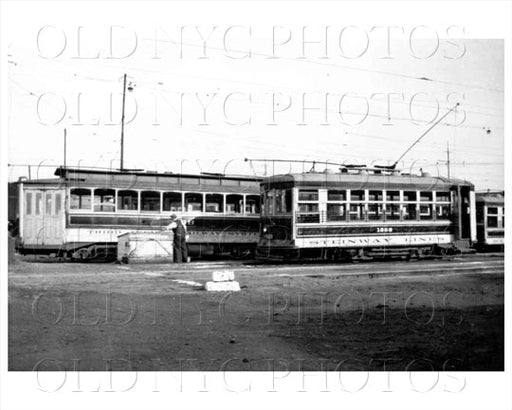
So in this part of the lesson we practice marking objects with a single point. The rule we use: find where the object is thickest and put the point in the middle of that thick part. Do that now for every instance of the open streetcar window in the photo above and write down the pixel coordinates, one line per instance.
(150, 201)
(336, 212)
(392, 211)
(375, 195)
(252, 204)
(410, 196)
(80, 198)
(234, 203)
(283, 201)
(127, 200)
(28, 203)
(425, 211)
(357, 195)
(375, 211)
(104, 200)
(410, 212)
(442, 212)
(308, 195)
(442, 197)
(357, 212)
(214, 203)
(336, 195)
(173, 202)
(193, 202)
(425, 196)
(392, 196)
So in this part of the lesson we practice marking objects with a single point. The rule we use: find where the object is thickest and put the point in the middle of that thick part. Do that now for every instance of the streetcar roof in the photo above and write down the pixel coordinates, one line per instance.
(492, 198)
(364, 180)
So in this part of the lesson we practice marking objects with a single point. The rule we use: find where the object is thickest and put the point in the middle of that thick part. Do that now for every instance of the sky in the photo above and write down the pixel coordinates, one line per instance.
(210, 88)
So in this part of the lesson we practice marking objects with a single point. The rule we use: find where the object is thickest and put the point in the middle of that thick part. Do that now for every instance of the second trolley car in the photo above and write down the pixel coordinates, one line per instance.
(365, 212)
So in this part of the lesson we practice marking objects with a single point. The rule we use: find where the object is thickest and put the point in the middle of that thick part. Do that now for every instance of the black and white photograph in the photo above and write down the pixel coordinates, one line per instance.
(224, 204)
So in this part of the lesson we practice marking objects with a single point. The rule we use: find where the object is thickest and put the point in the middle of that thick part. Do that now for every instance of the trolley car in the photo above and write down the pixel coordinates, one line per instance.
(490, 220)
(365, 212)
(81, 213)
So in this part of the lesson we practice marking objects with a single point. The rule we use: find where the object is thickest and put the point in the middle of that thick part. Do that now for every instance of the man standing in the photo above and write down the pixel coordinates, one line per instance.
(179, 239)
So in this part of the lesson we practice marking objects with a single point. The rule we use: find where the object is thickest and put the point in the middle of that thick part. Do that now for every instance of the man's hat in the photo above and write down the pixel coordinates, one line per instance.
(173, 217)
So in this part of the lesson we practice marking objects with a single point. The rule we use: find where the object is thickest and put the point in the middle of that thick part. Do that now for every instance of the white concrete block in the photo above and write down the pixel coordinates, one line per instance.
(223, 275)
(229, 286)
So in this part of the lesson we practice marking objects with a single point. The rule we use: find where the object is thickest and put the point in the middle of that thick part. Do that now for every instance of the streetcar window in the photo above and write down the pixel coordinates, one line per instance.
(214, 203)
(230, 182)
(375, 195)
(492, 221)
(425, 196)
(308, 218)
(150, 201)
(426, 212)
(335, 212)
(58, 203)
(252, 204)
(308, 195)
(442, 196)
(172, 202)
(357, 212)
(392, 211)
(492, 211)
(269, 201)
(283, 201)
(48, 203)
(443, 211)
(308, 208)
(410, 212)
(410, 196)
(374, 211)
(104, 200)
(39, 202)
(392, 196)
(503, 222)
(193, 202)
(357, 195)
(80, 198)
(234, 204)
(336, 195)
(127, 200)
(28, 203)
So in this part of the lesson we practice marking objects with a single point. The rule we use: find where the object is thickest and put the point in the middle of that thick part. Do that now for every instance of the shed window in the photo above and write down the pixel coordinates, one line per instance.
(150, 201)
(214, 203)
(193, 202)
(104, 200)
(172, 202)
(80, 198)
(127, 200)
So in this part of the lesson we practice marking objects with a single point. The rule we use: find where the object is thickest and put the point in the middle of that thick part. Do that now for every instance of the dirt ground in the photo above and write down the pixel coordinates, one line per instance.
(376, 316)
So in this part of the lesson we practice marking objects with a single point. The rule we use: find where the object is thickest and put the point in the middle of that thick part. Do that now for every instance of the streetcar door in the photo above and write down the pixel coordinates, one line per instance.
(44, 222)
(463, 214)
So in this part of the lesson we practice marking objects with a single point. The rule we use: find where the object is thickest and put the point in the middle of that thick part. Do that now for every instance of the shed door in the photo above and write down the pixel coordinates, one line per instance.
(44, 218)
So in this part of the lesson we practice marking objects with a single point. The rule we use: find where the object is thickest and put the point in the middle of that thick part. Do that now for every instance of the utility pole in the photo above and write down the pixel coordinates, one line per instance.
(122, 124)
(448, 158)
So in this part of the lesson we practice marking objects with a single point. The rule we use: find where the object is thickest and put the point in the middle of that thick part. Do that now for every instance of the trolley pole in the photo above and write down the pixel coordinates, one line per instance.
(65, 147)
(448, 158)
(122, 124)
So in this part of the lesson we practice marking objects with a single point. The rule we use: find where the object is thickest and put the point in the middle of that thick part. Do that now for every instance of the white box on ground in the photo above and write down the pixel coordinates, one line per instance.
(223, 275)
(228, 286)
